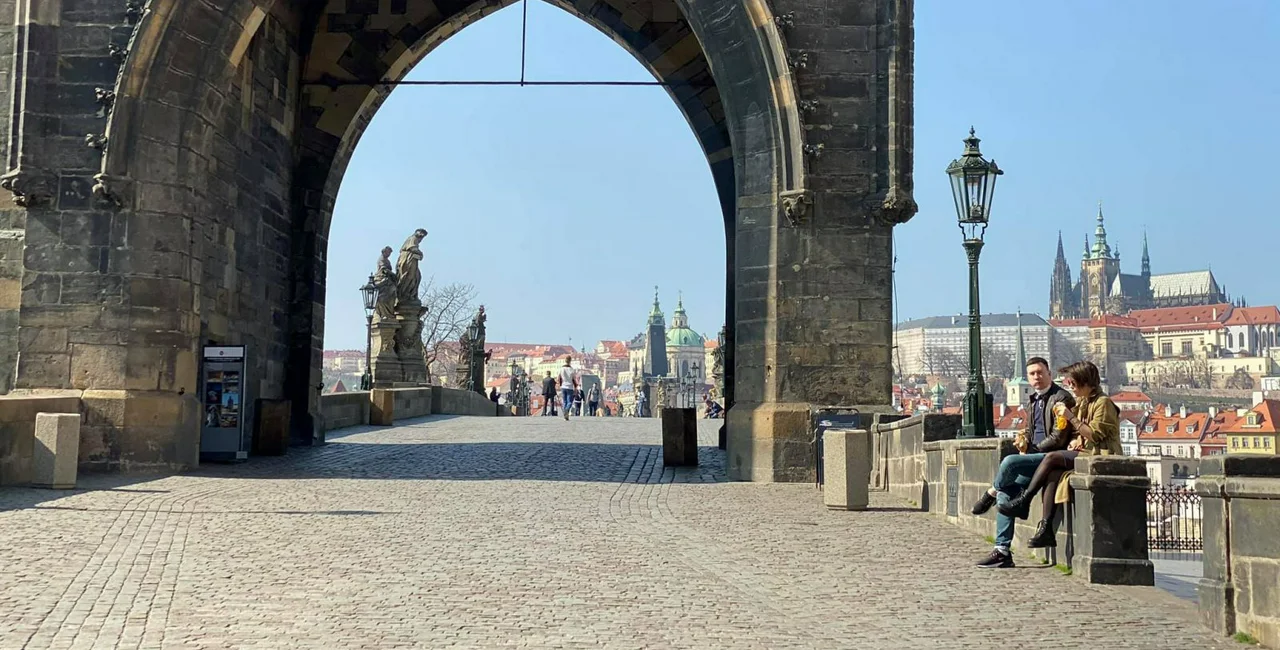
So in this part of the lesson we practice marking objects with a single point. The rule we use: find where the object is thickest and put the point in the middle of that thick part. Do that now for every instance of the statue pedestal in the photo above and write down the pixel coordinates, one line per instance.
(413, 368)
(385, 364)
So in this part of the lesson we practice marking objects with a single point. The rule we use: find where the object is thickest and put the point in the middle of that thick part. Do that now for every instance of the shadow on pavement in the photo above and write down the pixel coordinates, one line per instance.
(449, 461)
(19, 498)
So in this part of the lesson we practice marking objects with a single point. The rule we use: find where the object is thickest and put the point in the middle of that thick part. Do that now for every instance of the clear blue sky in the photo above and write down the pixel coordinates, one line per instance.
(552, 201)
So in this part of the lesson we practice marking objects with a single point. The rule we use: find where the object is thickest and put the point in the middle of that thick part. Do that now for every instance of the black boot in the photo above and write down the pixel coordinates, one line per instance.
(983, 504)
(1044, 537)
(1017, 506)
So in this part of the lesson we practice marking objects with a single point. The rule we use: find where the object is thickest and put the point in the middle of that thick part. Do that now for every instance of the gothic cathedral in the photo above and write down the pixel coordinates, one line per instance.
(1102, 289)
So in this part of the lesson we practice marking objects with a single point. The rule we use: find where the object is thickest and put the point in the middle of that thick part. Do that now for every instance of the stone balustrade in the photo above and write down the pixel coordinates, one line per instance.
(1240, 591)
(1101, 534)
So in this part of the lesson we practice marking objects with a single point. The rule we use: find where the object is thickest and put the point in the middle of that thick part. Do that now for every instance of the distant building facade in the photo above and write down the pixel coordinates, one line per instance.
(940, 345)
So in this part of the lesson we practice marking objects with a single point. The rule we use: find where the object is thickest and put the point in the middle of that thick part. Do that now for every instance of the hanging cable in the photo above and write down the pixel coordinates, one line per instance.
(524, 35)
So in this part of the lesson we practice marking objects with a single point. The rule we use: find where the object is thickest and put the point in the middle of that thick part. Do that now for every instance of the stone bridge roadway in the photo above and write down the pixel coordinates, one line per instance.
(532, 532)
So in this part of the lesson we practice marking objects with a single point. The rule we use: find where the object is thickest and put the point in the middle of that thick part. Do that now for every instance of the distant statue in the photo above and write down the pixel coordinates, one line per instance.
(384, 280)
(407, 272)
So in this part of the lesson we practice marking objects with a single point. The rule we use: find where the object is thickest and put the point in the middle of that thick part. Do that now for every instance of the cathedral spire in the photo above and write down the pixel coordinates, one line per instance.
(1061, 256)
(1022, 351)
(655, 314)
(1146, 257)
(1086, 246)
(1100, 247)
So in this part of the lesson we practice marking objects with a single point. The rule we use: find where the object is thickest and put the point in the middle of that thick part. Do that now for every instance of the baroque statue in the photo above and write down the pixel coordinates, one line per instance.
(409, 277)
(384, 280)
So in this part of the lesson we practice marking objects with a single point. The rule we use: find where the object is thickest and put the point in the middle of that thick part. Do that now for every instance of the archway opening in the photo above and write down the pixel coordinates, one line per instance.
(635, 205)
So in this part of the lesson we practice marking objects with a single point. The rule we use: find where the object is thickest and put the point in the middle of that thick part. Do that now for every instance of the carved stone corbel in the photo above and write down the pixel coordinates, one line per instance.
(785, 21)
(106, 98)
(30, 189)
(807, 105)
(799, 60)
(795, 205)
(814, 150)
(111, 192)
(897, 207)
(117, 53)
(95, 141)
(133, 11)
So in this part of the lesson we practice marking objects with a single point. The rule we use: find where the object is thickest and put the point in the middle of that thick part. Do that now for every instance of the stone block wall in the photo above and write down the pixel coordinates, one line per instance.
(17, 432)
(1240, 591)
(342, 410)
(898, 455)
(412, 402)
(453, 401)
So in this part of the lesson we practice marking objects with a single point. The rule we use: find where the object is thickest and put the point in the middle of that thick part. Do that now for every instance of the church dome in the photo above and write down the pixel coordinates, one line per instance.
(680, 335)
(684, 337)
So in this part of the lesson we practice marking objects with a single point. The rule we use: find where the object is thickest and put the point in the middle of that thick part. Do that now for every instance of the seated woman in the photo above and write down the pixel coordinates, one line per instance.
(1096, 422)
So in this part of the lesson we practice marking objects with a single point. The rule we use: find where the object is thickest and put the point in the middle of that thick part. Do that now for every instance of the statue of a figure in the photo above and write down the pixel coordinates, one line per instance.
(407, 273)
(384, 280)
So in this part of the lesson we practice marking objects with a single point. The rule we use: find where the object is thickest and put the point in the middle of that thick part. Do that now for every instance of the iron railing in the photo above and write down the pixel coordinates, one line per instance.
(1174, 521)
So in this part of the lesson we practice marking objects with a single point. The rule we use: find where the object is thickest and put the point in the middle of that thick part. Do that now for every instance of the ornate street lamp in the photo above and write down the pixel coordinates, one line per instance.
(973, 183)
(370, 294)
(473, 335)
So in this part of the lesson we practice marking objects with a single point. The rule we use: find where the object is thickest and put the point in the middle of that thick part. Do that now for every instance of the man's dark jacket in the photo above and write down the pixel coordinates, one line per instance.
(1054, 440)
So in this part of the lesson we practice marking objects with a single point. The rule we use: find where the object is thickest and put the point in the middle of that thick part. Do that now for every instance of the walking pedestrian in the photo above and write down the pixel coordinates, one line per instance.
(568, 386)
(593, 400)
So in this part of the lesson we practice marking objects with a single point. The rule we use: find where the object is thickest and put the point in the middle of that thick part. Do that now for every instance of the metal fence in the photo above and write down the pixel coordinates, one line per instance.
(1174, 519)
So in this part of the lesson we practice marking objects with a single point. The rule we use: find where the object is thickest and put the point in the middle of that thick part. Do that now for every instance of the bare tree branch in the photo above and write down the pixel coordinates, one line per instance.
(449, 310)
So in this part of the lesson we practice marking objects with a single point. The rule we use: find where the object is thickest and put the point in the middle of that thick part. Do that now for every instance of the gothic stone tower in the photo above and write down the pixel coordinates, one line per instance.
(1062, 300)
(1098, 270)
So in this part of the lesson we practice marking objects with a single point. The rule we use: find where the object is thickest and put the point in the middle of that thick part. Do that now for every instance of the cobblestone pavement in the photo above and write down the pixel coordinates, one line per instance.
(529, 532)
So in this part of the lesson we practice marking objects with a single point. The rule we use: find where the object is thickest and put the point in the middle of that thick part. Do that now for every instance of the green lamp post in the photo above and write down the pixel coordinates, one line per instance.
(973, 183)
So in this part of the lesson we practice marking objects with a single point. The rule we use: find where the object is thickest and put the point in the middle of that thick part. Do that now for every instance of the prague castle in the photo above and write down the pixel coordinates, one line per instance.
(1103, 289)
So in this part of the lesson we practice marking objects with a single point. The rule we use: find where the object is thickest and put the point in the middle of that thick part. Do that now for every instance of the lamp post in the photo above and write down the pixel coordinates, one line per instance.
(370, 294)
(473, 333)
(973, 183)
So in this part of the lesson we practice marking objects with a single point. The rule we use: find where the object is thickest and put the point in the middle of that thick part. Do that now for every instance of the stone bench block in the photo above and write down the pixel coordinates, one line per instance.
(846, 465)
(382, 407)
(1110, 521)
(679, 437)
(57, 450)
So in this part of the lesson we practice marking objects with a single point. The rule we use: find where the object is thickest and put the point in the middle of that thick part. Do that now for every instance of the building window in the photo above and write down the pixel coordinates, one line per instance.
(1266, 442)
(1166, 349)
(1186, 347)
(1182, 451)
(1097, 349)
(1257, 442)
(1168, 450)
(1241, 339)
(1097, 334)
(1232, 441)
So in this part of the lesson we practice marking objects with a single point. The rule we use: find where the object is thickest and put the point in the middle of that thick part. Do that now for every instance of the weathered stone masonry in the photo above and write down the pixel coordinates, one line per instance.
(176, 165)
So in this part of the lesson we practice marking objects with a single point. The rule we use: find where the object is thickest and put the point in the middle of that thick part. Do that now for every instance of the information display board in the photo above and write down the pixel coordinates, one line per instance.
(222, 436)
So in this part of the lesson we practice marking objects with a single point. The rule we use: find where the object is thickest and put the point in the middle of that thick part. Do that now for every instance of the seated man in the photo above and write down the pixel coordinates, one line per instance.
(1033, 443)
(712, 408)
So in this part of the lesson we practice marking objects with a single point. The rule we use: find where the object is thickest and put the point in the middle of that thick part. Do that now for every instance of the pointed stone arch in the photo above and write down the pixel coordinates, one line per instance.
(228, 129)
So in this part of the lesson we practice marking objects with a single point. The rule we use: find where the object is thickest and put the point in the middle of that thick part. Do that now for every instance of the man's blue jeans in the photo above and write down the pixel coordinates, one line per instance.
(1014, 474)
(566, 399)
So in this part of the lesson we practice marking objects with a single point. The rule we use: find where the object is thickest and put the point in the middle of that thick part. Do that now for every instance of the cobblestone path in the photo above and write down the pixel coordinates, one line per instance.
(530, 532)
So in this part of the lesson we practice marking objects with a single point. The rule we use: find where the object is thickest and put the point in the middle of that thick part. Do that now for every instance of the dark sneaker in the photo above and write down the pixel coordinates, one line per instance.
(997, 560)
(984, 503)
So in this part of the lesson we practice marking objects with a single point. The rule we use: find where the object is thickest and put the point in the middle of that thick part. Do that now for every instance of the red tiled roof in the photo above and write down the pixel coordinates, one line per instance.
(1013, 419)
(1184, 429)
(1269, 409)
(1110, 320)
(1130, 396)
(1135, 416)
(1214, 435)
(1202, 317)
(1254, 316)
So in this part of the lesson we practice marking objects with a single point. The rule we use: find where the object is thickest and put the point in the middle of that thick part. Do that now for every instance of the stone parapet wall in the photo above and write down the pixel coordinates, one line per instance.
(898, 456)
(341, 410)
(17, 432)
(454, 401)
(412, 402)
(1240, 591)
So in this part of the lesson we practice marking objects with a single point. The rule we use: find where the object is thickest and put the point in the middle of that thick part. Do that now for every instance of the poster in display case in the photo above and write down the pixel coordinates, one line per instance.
(222, 431)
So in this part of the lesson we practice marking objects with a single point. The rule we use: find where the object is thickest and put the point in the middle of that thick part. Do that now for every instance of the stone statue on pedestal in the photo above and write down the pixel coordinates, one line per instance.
(409, 277)
(472, 355)
(384, 280)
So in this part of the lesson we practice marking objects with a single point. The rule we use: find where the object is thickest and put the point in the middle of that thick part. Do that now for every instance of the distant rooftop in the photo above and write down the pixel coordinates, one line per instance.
(959, 321)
